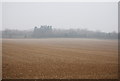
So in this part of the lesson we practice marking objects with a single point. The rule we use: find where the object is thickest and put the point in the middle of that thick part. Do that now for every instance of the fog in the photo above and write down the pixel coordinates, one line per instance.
(101, 16)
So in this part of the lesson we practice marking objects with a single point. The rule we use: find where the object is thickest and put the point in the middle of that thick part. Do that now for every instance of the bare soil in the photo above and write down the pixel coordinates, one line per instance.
(60, 58)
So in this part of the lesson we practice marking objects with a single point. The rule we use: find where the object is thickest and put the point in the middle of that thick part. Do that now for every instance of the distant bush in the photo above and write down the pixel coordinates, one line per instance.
(49, 32)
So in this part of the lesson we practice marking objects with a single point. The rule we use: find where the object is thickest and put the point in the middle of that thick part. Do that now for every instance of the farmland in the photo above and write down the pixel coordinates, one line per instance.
(59, 58)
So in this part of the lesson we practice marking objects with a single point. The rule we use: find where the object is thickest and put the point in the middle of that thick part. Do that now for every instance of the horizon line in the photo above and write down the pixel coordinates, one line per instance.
(60, 29)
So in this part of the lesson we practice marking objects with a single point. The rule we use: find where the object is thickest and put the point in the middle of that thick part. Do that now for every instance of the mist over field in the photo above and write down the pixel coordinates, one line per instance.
(59, 40)
(48, 32)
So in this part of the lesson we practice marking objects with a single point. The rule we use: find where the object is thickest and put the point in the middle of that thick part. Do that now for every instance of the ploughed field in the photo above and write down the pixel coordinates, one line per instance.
(60, 58)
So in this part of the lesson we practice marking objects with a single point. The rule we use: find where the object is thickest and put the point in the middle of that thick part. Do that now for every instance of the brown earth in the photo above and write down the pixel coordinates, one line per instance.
(60, 58)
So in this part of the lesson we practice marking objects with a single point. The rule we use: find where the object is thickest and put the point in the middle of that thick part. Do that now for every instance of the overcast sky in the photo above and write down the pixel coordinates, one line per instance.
(90, 15)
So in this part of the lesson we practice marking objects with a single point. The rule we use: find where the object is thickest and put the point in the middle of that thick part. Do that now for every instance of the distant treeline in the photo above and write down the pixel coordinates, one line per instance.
(48, 32)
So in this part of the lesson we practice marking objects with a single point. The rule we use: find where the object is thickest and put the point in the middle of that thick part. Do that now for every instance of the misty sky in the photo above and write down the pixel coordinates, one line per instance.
(90, 15)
